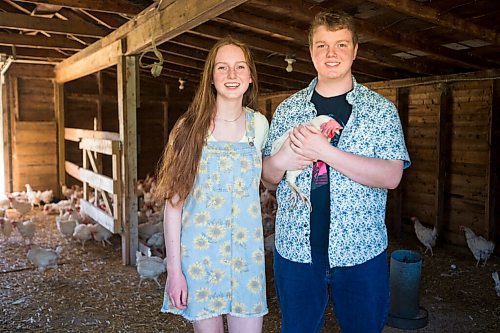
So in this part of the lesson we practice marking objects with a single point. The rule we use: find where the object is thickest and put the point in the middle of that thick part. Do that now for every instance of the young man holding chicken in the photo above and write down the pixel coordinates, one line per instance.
(341, 243)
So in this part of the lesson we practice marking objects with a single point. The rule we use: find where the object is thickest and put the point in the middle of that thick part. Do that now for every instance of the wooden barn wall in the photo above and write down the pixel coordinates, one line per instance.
(30, 133)
(91, 102)
(452, 134)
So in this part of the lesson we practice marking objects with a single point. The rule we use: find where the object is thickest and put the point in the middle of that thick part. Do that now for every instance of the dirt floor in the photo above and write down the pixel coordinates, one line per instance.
(93, 292)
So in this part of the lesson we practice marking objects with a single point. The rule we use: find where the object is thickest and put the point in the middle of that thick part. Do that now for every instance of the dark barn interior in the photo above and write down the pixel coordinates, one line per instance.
(81, 107)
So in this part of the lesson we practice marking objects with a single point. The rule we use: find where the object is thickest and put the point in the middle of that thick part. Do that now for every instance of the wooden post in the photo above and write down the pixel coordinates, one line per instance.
(492, 172)
(127, 109)
(442, 154)
(61, 149)
(402, 105)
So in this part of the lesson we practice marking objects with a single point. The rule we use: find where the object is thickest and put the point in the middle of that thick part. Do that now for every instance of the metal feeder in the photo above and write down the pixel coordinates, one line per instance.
(404, 311)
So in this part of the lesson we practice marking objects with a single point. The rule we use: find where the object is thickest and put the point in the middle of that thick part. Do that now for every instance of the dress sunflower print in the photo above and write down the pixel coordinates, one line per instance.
(221, 235)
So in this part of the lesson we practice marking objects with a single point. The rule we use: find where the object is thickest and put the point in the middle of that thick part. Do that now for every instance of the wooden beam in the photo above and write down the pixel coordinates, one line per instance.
(115, 6)
(162, 25)
(103, 58)
(29, 53)
(443, 152)
(127, 117)
(429, 14)
(492, 171)
(38, 41)
(52, 25)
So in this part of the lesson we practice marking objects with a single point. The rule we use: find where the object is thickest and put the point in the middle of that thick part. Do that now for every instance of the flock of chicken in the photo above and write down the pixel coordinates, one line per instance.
(480, 247)
(72, 224)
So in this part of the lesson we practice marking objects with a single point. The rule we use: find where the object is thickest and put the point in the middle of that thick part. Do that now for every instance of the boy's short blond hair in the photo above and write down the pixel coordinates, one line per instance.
(333, 21)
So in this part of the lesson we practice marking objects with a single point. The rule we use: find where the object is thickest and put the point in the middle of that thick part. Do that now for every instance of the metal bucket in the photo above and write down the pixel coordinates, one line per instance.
(404, 311)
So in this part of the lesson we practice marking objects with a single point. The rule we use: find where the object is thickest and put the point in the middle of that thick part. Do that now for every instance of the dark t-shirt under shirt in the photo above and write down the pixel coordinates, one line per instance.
(337, 108)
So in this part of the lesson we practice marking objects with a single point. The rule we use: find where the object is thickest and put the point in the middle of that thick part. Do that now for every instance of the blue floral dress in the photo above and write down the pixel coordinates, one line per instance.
(222, 253)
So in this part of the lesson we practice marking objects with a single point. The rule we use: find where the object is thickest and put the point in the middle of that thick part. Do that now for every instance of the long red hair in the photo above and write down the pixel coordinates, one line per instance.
(178, 166)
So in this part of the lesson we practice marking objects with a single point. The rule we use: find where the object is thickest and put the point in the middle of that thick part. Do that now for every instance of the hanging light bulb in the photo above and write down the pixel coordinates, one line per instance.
(181, 84)
(289, 60)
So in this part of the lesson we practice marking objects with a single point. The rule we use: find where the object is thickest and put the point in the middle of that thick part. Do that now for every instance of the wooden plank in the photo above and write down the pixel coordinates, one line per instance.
(99, 60)
(31, 70)
(492, 168)
(100, 216)
(162, 24)
(127, 109)
(72, 169)
(50, 25)
(75, 134)
(117, 196)
(96, 180)
(97, 145)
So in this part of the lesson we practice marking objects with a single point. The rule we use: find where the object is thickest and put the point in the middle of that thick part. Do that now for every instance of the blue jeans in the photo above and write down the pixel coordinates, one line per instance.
(360, 294)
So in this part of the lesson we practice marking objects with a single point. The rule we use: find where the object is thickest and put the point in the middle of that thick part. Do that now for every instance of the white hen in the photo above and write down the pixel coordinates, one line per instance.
(83, 233)
(101, 234)
(65, 224)
(330, 127)
(479, 246)
(426, 236)
(26, 229)
(496, 279)
(150, 268)
(44, 258)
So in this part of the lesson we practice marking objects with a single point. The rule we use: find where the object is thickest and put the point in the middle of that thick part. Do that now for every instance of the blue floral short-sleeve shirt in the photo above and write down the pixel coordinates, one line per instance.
(357, 212)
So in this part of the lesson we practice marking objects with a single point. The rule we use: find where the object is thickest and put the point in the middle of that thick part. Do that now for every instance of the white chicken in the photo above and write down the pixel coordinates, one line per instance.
(34, 197)
(426, 236)
(26, 229)
(329, 127)
(150, 267)
(66, 225)
(44, 258)
(66, 191)
(83, 232)
(21, 206)
(47, 196)
(146, 230)
(100, 234)
(494, 275)
(4, 203)
(157, 241)
(479, 246)
(6, 228)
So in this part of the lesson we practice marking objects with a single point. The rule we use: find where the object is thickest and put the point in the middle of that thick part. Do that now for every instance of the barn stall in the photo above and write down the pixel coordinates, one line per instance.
(80, 106)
